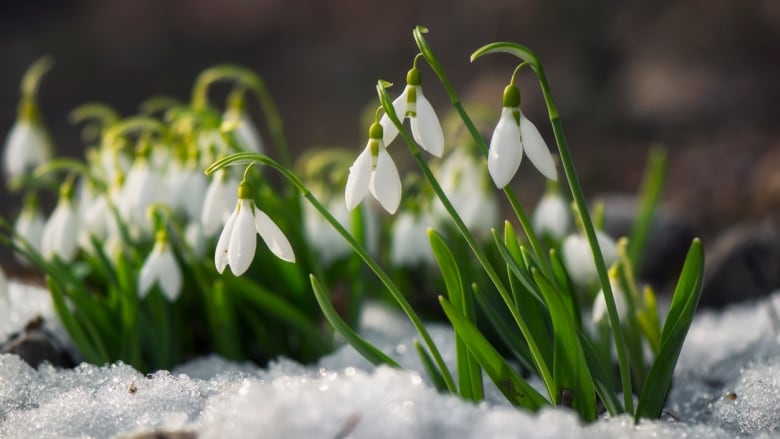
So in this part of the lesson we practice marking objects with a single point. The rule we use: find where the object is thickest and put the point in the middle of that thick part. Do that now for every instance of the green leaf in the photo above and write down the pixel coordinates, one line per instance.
(569, 364)
(508, 381)
(649, 195)
(430, 368)
(274, 304)
(469, 373)
(366, 349)
(72, 325)
(678, 321)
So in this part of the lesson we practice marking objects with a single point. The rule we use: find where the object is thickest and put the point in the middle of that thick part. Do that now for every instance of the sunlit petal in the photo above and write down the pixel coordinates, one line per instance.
(358, 179)
(273, 236)
(243, 243)
(385, 183)
(170, 279)
(506, 150)
(221, 253)
(389, 130)
(426, 127)
(536, 149)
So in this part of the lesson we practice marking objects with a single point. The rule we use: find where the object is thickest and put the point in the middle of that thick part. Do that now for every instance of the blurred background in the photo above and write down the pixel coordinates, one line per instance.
(700, 77)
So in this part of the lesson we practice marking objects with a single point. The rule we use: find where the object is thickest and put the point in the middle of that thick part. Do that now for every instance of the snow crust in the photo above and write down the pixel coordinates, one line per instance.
(728, 385)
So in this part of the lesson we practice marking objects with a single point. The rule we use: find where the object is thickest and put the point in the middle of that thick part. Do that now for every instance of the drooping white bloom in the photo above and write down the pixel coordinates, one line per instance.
(143, 187)
(513, 135)
(374, 171)
(578, 257)
(552, 216)
(160, 268)
(26, 147)
(465, 182)
(426, 128)
(237, 243)
(410, 245)
(60, 235)
(599, 310)
(29, 227)
(219, 200)
(187, 189)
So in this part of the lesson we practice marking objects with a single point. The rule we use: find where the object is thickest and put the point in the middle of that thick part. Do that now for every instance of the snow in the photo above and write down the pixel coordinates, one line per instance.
(728, 384)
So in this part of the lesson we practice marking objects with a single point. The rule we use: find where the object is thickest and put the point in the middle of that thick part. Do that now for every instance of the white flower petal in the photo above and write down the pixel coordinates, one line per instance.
(536, 149)
(26, 147)
(358, 179)
(60, 235)
(273, 236)
(506, 150)
(552, 216)
(150, 272)
(170, 279)
(243, 243)
(385, 183)
(221, 253)
(219, 199)
(426, 127)
(30, 226)
(599, 310)
(578, 257)
(389, 130)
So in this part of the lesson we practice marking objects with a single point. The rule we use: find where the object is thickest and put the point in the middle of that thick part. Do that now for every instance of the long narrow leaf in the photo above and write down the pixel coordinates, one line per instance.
(366, 349)
(469, 373)
(570, 367)
(678, 321)
(508, 381)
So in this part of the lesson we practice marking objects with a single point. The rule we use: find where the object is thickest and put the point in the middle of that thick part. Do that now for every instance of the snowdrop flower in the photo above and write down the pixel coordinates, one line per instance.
(218, 202)
(188, 189)
(374, 171)
(513, 135)
(426, 128)
(26, 147)
(161, 269)
(29, 226)
(599, 310)
(60, 235)
(237, 243)
(578, 258)
(552, 216)
(410, 245)
(143, 187)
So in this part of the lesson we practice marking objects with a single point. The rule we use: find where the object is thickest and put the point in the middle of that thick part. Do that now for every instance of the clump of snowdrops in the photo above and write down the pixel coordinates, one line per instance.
(561, 294)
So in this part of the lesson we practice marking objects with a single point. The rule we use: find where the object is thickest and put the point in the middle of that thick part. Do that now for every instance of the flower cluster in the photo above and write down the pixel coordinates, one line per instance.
(137, 218)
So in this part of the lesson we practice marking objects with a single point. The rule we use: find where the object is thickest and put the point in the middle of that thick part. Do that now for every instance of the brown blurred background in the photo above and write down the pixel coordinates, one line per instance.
(701, 77)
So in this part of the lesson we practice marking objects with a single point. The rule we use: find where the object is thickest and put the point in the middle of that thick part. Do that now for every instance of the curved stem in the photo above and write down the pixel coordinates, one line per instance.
(579, 199)
(32, 77)
(521, 215)
(544, 370)
(243, 157)
(229, 72)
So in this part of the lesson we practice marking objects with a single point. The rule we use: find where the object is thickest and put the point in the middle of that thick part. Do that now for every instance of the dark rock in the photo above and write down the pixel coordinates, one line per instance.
(744, 263)
(667, 243)
(35, 344)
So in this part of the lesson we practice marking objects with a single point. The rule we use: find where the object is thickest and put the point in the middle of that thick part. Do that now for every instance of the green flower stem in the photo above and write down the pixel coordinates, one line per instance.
(104, 114)
(32, 77)
(248, 78)
(579, 199)
(544, 370)
(522, 217)
(249, 157)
